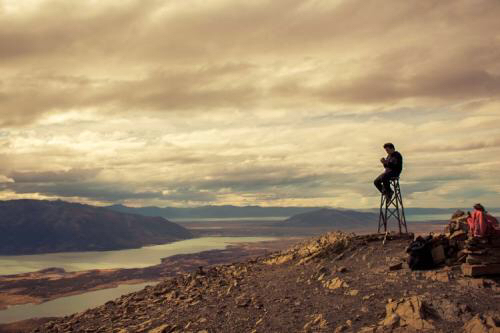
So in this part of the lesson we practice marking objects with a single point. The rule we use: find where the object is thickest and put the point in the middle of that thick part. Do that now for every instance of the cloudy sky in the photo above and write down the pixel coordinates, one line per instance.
(274, 103)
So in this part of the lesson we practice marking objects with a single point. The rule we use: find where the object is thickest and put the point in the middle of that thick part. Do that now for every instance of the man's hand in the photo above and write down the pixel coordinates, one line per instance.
(382, 160)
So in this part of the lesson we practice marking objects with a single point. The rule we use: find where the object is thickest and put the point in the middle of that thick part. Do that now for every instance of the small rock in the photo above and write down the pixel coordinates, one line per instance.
(475, 283)
(340, 328)
(352, 292)
(395, 267)
(336, 283)
(243, 302)
(161, 329)
(317, 321)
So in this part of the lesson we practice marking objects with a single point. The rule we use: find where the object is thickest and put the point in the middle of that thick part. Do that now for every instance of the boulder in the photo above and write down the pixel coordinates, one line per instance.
(449, 310)
(482, 324)
(407, 312)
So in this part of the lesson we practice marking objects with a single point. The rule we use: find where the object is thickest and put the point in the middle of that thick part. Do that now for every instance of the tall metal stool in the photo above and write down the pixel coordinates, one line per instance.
(392, 207)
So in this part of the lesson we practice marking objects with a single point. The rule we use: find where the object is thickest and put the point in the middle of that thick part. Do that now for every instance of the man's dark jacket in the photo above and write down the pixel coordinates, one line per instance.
(394, 163)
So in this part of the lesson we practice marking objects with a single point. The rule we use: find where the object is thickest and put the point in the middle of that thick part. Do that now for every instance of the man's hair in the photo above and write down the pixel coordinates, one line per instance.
(389, 145)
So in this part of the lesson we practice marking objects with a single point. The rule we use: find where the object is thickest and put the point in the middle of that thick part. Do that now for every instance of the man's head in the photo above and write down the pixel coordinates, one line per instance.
(480, 207)
(389, 147)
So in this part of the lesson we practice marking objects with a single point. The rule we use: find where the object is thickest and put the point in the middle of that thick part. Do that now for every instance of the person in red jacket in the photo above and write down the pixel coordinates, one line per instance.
(482, 224)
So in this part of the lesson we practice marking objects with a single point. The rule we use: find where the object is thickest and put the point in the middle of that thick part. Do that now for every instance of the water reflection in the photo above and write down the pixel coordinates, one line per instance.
(131, 258)
(67, 305)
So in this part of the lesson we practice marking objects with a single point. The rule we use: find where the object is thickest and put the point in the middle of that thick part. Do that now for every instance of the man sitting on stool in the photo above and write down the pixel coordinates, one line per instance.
(393, 165)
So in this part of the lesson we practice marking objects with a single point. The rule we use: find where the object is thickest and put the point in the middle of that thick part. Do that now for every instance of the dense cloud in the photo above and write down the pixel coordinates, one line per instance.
(263, 102)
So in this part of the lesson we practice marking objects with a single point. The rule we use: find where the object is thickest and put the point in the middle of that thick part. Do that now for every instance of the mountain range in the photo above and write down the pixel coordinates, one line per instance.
(229, 211)
(40, 226)
(224, 211)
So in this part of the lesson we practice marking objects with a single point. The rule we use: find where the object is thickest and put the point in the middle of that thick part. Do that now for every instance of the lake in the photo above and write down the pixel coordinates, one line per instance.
(131, 258)
(427, 217)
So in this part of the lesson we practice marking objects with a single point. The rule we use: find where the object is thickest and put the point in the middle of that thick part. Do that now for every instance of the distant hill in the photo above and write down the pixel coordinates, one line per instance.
(39, 226)
(226, 211)
(335, 218)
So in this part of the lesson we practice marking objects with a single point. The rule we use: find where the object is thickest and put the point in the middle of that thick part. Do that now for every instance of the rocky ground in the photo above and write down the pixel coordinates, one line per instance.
(333, 283)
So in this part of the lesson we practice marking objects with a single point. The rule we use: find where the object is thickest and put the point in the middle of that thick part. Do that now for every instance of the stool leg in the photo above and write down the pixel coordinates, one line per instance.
(381, 214)
(403, 211)
(396, 194)
(385, 214)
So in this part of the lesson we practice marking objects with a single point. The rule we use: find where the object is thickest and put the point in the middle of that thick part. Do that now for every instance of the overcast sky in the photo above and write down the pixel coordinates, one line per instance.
(273, 103)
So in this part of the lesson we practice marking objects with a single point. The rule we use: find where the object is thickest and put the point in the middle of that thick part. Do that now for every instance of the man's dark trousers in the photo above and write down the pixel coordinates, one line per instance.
(382, 181)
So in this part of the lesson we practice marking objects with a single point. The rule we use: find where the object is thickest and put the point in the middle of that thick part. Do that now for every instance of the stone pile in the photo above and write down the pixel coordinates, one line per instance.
(482, 257)
(448, 249)
(477, 256)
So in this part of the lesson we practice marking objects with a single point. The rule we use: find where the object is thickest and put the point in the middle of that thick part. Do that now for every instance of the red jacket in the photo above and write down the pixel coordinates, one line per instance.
(482, 224)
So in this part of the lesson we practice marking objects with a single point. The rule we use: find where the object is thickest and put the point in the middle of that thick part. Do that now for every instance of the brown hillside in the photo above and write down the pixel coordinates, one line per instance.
(335, 283)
